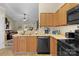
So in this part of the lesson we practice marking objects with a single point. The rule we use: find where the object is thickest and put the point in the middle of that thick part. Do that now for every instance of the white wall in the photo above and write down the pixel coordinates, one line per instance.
(28, 24)
(69, 28)
(2, 27)
(49, 7)
(63, 29)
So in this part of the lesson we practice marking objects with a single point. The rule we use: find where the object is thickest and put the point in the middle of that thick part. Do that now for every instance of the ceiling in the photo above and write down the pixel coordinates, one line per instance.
(16, 10)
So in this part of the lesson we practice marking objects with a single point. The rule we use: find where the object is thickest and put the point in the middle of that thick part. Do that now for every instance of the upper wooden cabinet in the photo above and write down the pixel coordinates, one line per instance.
(46, 19)
(62, 13)
(43, 20)
(56, 19)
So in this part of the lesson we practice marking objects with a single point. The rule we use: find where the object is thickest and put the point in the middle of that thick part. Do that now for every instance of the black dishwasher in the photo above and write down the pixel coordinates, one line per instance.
(43, 45)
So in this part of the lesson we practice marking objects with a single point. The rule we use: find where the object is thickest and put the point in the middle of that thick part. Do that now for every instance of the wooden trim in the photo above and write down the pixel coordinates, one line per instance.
(60, 25)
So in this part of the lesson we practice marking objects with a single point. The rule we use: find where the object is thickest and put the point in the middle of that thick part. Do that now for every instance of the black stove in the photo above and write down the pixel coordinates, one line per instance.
(67, 47)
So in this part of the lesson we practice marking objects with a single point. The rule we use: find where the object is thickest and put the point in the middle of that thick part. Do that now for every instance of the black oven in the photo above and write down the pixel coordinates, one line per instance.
(67, 48)
(77, 38)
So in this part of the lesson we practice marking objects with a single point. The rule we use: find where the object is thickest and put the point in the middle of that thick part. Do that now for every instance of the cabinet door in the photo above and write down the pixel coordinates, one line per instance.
(43, 19)
(15, 44)
(33, 44)
(50, 19)
(23, 44)
(53, 46)
(62, 17)
(46, 19)
(55, 19)
(20, 44)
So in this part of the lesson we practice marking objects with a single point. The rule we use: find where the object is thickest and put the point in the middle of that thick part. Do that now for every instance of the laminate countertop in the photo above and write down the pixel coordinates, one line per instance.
(51, 35)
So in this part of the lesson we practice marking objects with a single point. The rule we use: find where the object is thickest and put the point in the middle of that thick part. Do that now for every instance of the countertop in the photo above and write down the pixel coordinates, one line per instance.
(51, 35)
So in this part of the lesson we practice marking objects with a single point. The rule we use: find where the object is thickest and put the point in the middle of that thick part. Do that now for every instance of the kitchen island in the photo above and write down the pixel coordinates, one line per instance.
(24, 44)
(27, 44)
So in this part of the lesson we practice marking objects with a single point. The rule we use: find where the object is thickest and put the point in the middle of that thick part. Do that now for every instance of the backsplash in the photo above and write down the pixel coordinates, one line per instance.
(69, 28)
(63, 29)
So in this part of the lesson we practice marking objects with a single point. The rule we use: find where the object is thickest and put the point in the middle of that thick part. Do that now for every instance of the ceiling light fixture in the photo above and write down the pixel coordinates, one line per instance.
(24, 20)
(24, 17)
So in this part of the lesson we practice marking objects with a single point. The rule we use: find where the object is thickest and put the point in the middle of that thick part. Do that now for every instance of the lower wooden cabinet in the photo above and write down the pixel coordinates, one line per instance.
(28, 44)
(21, 44)
(33, 44)
(24, 44)
(53, 46)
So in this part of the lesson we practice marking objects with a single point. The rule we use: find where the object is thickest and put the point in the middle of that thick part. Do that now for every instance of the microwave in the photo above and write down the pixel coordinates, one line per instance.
(73, 15)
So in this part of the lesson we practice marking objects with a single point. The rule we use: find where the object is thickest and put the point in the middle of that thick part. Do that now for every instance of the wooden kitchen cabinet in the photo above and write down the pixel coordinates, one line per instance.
(53, 46)
(15, 45)
(56, 19)
(62, 19)
(20, 44)
(50, 20)
(62, 13)
(46, 19)
(42, 20)
(33, 44)
(24, 44)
